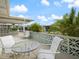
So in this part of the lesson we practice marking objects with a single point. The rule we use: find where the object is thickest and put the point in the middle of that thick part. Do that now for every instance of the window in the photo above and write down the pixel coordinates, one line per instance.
(3, 10)
(2, 3)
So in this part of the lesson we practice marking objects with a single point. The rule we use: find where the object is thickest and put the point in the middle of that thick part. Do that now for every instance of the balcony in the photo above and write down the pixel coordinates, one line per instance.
(68, 48)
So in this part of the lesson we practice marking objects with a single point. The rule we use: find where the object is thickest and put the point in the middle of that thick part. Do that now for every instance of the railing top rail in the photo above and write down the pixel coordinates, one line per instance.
(63, 36)
(68, 37)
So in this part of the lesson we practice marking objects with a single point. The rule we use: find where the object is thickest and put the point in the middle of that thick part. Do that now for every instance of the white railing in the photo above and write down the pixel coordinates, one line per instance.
(69, 45)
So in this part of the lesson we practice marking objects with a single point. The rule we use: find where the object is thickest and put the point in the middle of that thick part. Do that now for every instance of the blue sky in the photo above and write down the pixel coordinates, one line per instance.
(44, 12)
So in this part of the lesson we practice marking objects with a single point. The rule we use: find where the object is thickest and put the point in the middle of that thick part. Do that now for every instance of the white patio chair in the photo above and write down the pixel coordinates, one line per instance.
(26, 34)
(50, 54)
(7, 43)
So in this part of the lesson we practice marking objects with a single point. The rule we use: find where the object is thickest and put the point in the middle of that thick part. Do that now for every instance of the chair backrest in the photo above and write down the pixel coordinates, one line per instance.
(7, 41)
(27, 33)
(55, 43)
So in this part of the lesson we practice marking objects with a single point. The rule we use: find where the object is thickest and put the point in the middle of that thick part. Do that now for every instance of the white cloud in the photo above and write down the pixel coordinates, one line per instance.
(74, 4)
(23, 16)
(56, 3)
(45, 2)
(46, 23)
(42, 18)
(47, 20)
(71, 3)
(53, 16)
(67, 1)
(19, 9)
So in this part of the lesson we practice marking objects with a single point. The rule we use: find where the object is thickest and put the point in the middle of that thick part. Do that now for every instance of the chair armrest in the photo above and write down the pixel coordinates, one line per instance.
(45, 46)
(50, 52)
(42, 45)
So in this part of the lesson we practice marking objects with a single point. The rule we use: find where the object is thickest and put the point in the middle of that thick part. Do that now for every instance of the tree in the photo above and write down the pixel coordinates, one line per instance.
(36, 28)
(68, 25)
(72, 16)
(77, 19)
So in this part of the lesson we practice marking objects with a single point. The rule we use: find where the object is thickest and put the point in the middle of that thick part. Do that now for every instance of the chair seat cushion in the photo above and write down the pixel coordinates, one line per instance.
(46, 56)
(45, 51)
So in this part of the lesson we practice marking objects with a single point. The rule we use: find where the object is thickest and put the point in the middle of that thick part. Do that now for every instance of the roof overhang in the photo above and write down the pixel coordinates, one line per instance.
(13, 20)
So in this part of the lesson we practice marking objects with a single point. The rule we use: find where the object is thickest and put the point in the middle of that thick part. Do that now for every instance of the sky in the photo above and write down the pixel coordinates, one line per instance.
(44, 12)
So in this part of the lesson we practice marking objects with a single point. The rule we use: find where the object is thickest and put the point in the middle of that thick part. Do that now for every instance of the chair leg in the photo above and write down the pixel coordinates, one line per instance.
(28, 55)
(15, 56)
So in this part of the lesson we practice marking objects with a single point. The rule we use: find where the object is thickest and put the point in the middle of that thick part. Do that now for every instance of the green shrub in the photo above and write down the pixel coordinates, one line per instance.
(36, 28)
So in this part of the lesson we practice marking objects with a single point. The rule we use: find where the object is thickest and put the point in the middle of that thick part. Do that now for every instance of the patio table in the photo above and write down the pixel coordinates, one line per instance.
(26, 46)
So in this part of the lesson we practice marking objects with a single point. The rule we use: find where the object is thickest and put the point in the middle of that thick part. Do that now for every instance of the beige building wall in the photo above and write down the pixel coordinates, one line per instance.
(4, 7)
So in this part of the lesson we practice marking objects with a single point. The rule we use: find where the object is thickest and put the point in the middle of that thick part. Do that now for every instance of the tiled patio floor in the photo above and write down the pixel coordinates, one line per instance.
(58, 56)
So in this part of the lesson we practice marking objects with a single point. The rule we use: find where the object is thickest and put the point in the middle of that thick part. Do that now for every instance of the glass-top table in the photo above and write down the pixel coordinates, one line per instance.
(25, 46)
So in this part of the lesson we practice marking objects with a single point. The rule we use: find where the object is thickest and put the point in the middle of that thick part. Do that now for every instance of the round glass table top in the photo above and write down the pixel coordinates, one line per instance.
(25, 46)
